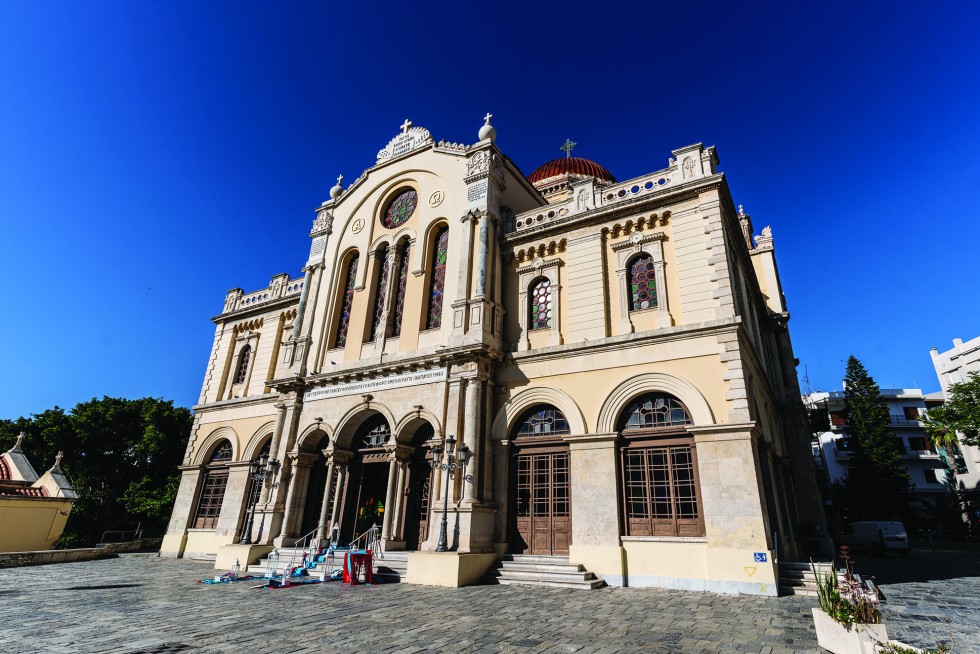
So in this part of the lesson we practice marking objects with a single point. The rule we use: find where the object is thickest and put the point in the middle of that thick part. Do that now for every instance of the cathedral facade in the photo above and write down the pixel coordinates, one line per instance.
(615, 356)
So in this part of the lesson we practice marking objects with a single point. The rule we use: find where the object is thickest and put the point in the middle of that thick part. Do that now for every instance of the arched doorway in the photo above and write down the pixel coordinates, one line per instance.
(367, 480)
(315, 487)
(418, 490)
(541, 502)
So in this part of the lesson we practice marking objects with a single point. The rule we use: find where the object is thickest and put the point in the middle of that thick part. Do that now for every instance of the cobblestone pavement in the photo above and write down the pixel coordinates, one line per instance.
(152, 605)
(143, 605)
(925, 590)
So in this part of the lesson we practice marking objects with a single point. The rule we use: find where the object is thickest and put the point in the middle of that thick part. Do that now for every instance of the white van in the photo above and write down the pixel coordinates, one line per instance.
(876, 537)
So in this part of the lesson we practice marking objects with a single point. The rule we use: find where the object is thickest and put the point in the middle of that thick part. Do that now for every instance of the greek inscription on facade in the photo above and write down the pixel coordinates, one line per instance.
(316, 248)
(384, 383)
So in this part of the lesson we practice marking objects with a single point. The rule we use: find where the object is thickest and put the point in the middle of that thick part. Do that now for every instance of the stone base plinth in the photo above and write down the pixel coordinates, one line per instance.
(244, 554)
(447, 568)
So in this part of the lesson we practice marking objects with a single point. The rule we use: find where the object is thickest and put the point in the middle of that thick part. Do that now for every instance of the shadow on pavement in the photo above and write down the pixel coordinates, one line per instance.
(920, 566)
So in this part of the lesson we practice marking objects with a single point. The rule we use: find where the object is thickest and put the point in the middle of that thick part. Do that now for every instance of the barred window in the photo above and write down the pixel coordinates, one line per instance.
(213, 488)
(540, 305)
(660, 491)
(347, 302)
(541, 420)
(244, 357)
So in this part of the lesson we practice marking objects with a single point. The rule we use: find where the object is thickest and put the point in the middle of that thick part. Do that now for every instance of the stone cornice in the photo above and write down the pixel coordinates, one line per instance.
(359, 370)
(639, 339)
(270, 398)
(258, 309)
(641, 239)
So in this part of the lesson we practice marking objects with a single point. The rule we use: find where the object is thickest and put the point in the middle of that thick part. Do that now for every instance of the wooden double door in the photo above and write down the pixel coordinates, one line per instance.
(541, 501)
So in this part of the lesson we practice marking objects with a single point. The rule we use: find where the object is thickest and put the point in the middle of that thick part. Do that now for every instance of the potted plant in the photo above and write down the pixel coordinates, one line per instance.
(849, 618)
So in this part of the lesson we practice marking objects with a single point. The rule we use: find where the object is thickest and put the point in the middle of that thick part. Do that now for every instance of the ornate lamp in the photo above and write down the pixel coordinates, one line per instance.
(451, 465)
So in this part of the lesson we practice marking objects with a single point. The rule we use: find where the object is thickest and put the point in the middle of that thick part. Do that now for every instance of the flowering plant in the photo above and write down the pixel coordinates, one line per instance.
(847, 599)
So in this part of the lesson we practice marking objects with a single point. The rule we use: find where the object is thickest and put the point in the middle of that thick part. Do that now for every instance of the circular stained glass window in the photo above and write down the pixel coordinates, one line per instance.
(400, 209)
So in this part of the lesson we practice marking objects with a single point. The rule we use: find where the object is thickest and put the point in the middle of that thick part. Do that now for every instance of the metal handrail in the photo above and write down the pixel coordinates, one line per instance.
(372, 541)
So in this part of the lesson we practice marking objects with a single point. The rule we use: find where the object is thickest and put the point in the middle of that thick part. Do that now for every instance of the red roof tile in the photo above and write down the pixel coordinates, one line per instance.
(570, 166)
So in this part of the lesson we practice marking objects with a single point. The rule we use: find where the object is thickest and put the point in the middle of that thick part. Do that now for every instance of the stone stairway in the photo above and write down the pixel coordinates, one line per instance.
(541, 571)
(391, 569)
(798, 579)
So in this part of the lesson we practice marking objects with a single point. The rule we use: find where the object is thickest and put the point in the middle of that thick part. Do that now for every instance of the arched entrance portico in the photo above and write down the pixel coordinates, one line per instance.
(365, 486)
(541, 503)
(418, 490)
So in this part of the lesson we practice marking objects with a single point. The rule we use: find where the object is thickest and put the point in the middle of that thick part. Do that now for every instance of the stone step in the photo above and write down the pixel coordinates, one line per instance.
(804, 591)
(583, 585)
(521, 566)
(536, 558)
(555, 575)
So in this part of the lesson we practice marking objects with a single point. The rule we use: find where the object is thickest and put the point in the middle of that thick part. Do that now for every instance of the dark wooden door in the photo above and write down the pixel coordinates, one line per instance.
(417, 505)
(543, 502)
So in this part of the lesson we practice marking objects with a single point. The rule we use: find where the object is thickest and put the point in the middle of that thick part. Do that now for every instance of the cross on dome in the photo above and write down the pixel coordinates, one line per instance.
(406, 125)
(486, 119)
(568, 147)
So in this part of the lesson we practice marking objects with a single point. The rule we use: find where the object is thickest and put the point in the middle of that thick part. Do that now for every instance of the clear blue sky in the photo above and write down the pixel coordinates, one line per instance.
(155, 154)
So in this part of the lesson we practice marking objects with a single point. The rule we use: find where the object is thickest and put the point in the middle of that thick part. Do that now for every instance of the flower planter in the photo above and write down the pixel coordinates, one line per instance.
(850, 639)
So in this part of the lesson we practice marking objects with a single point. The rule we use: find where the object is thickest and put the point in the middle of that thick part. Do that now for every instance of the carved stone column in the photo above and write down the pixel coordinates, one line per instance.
(390, 492)
(397, 527)
(274, 445)
(301, 464)
(342, 460)
(461, 303)
(321, 530)
(384, 325)
(474, 388)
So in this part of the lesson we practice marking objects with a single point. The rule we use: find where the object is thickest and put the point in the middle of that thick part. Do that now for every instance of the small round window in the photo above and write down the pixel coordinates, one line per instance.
(400, 209)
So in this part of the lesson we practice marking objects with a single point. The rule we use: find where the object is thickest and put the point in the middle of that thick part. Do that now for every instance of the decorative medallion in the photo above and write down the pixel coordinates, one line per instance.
(400, 209)
(357, 226)
(436, 198)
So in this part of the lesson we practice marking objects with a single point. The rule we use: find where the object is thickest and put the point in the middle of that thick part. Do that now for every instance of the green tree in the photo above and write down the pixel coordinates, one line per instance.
(120, 455)
(877, 482)
(961, 411)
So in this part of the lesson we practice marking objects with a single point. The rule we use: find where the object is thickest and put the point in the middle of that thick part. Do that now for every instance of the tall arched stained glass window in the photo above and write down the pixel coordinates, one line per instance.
(346, 303)
(396, 326)
(243, 360)
(400, 209)
(540, 304)
(437, 285)
(381, 292)
(643, 283)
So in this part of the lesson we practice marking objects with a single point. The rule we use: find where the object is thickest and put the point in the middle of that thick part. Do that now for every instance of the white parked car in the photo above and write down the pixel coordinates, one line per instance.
(876, 537)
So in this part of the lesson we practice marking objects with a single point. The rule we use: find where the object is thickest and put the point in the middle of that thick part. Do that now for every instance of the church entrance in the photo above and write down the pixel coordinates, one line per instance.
(367, 481)
(541, 502)
(315, 489)
(418, 490)
(543, 506)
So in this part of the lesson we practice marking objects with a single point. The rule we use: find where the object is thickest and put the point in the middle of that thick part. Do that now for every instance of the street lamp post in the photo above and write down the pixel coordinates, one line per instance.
(451, 464)
(260, 471)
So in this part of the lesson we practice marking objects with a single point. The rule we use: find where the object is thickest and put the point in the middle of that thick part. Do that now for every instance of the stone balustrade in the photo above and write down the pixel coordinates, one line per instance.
(279, 287)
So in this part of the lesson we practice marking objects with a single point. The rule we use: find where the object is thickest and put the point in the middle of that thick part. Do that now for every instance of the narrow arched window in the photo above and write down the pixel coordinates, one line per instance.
(437, 279)
(381, 292)
(540, 305)
(213, 488)
(658, 469)
(396, 327)
(541, 420)
(346, 303)
(643, 283)
(244, 358)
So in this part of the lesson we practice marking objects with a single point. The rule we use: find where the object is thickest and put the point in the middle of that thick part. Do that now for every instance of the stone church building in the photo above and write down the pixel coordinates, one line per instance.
(614, 354)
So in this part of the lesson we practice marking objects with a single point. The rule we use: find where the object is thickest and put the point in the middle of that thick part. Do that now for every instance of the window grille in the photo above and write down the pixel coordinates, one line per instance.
(343, 321)
(643, 283)
(541, 305)
(437, 283)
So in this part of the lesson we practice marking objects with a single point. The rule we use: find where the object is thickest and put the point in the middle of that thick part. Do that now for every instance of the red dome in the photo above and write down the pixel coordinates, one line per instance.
(570, 166)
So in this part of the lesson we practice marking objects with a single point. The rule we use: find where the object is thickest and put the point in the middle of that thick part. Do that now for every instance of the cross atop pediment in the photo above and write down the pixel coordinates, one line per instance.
(406, 125)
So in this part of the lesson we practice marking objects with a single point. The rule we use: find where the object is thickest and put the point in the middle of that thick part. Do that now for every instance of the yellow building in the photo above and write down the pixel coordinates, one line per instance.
(614, 354)
(33, 510)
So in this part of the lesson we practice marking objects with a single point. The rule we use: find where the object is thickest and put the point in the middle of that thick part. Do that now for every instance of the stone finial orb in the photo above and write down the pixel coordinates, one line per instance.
(487, 131)
(337, 188)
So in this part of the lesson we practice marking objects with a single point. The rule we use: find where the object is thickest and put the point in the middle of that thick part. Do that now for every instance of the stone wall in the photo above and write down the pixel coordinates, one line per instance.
(44, 557)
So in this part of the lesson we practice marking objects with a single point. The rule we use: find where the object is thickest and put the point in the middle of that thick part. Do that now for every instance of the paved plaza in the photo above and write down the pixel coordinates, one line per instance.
(140, 604)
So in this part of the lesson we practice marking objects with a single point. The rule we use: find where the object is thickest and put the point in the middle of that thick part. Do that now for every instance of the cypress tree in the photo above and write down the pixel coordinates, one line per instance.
(877, 482)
